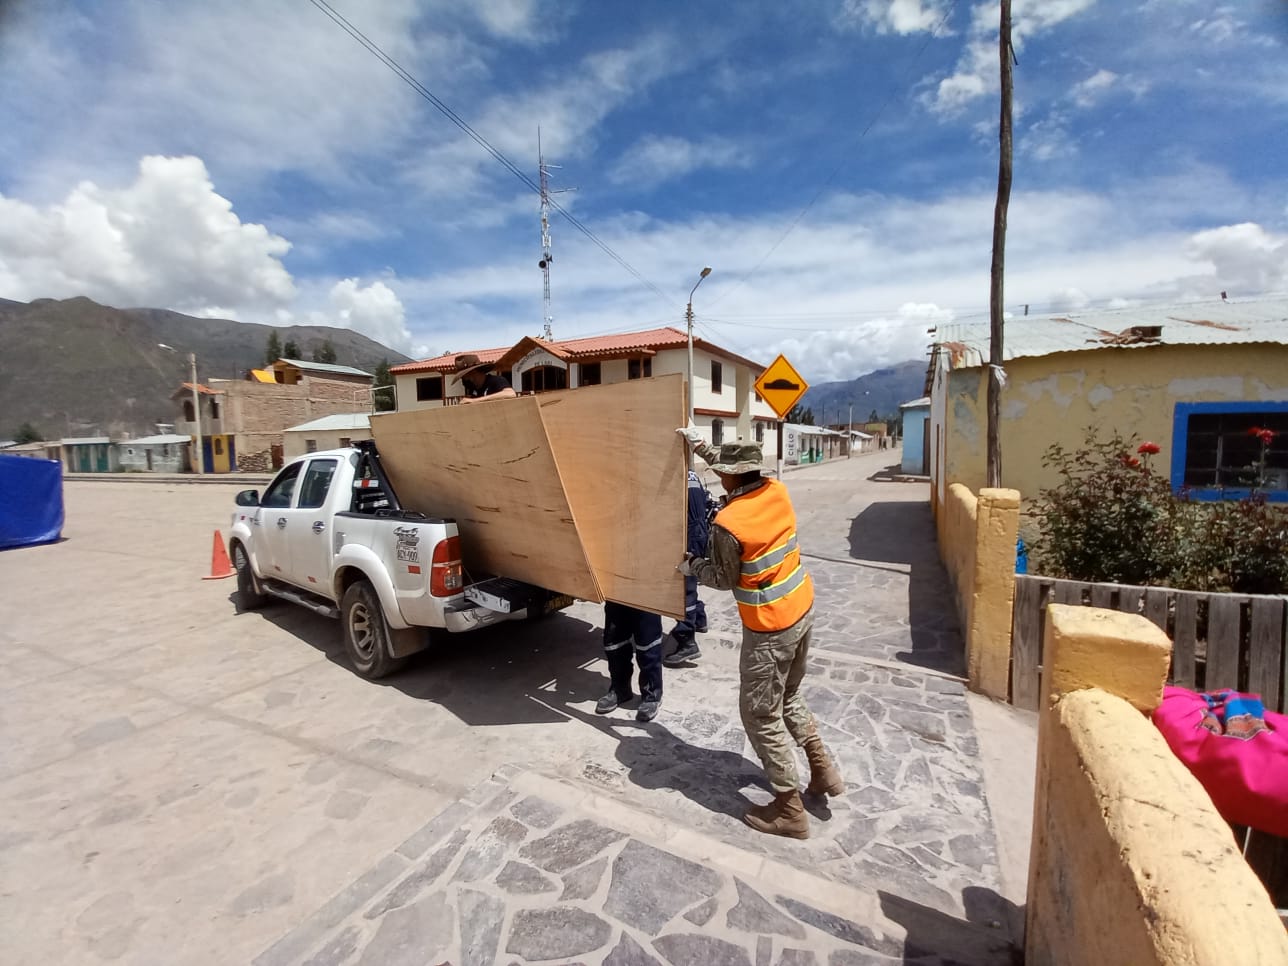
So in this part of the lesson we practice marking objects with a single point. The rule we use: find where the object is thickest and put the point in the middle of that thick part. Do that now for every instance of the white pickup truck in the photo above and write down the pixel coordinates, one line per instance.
(329, 534)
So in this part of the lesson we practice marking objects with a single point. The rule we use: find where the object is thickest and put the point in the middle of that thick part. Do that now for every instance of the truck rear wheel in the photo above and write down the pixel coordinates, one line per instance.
(366, 635)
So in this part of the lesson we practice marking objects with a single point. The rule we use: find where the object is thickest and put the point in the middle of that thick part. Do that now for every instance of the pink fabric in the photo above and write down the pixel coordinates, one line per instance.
(1247, 779)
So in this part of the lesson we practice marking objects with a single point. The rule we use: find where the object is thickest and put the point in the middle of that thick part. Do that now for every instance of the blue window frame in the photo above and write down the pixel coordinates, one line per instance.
(1213, 450)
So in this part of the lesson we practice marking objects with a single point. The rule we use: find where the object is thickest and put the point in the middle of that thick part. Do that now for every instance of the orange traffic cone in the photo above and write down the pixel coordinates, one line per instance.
(220, 567)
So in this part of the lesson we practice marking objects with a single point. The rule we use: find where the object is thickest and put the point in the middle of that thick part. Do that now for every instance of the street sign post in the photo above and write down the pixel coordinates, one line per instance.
(782, 387)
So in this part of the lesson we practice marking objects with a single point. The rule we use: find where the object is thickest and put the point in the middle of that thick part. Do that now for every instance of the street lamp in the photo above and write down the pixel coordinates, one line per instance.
(196, 404)
(688, 315)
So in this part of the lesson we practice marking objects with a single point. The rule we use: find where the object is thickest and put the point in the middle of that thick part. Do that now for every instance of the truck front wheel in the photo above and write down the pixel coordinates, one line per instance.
(366, 635)
(249, 595)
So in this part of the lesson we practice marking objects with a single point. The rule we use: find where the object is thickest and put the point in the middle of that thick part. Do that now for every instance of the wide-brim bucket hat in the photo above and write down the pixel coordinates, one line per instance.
(466, 363)
(738, 458)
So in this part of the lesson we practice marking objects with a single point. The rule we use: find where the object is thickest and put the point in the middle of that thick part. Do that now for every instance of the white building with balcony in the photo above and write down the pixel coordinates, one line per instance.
(726, 406)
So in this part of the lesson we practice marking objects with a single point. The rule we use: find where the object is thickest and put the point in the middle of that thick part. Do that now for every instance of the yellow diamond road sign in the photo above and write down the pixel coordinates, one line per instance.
(781, 386)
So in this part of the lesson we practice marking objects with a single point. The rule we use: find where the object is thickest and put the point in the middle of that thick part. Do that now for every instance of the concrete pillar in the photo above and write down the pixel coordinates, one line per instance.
(988, 636)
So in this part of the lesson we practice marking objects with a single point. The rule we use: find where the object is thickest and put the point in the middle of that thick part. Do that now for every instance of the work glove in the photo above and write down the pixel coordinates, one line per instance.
(686, 565)
(691, 435)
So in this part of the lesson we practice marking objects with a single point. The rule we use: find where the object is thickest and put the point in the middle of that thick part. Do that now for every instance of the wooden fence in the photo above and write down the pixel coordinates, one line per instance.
(1235, 641)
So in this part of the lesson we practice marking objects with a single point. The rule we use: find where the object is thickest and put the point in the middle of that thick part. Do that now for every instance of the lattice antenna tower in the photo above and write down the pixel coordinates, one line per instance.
(543, 170)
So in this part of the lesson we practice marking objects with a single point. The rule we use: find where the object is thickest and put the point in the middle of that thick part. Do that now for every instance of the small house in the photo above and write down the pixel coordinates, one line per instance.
(166, 453)
(328, 432)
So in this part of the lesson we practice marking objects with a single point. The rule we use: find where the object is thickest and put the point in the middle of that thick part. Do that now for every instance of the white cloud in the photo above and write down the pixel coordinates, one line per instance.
(976, 73)
(893, 16)
(654, 159)
(567, 110)
(1086, 93)
(167, 240)
(375, 311)
(1246, 258)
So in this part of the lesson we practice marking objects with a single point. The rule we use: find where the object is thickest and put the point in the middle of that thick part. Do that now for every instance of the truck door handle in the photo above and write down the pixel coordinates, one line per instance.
(318, 526)
(281, 523)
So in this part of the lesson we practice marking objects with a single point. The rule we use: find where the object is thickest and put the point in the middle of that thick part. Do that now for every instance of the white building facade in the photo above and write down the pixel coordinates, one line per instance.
(725, 404)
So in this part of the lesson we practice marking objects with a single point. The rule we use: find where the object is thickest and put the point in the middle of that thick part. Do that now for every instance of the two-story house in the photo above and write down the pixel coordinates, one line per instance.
(725, 404)
(243, 420)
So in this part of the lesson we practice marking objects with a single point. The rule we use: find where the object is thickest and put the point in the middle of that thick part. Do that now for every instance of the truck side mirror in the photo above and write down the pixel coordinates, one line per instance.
(248, 498)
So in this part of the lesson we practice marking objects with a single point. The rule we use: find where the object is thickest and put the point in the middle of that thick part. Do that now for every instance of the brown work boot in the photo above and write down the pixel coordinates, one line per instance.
(785, 815)
(824, 778)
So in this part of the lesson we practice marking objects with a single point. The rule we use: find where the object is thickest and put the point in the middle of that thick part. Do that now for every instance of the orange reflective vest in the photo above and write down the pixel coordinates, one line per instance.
(773, 591)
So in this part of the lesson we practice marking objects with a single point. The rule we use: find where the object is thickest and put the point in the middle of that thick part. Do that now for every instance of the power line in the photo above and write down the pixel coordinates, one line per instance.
(840, 164)
(477, 138)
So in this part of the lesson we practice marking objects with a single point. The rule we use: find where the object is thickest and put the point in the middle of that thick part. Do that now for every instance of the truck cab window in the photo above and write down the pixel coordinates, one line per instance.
(281, 490)
(317, 481)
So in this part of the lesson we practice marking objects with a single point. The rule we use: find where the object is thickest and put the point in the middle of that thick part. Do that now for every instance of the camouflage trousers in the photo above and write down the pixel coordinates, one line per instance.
(774, 714)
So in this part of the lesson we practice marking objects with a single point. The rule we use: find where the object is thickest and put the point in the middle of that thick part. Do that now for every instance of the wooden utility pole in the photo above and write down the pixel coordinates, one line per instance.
(999, 259)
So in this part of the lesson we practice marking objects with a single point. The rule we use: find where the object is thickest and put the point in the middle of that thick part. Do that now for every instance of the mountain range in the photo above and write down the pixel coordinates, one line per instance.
(72, 367)
(881, 391)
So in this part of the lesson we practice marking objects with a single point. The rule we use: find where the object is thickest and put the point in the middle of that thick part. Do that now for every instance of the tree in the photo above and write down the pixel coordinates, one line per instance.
(272, 351)
(384, 398)
(324, 353)
(873, 417)
(291, 350)
(28, 433)
(800, 415)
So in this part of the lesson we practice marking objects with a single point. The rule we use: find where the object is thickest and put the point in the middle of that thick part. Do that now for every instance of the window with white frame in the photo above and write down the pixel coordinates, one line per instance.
(717, 432)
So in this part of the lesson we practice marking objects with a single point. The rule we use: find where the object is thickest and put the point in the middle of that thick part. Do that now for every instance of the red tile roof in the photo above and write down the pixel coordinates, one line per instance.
(596, 347)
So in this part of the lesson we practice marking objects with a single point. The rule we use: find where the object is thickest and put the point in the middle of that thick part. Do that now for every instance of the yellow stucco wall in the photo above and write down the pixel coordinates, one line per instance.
(1130, 862)
(977, 547)
(1055, 398)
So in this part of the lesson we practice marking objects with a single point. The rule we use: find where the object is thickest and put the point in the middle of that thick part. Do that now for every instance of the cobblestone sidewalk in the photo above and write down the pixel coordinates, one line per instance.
(528, 870)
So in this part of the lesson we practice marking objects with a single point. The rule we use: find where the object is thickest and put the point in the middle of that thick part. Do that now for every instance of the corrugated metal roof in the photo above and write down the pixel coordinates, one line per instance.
(591, 348)
(325, 367)
(1218, 322)
(340, 421)
(83, 440)
(923, 401)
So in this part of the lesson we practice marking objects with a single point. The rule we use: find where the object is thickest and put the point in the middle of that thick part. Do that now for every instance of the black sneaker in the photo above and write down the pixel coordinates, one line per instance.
(683, 654)
(648, 710)
(611, 702)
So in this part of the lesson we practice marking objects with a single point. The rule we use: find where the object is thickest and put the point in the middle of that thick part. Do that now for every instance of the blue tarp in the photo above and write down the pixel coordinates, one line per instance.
(31, 501)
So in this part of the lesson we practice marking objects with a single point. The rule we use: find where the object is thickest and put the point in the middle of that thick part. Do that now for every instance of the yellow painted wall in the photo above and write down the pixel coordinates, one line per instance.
(1130, 862)
(1055, 398)
(977, 547)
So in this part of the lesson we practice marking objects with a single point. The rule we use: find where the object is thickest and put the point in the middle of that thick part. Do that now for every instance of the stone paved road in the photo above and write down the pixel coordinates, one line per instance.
(634, 851)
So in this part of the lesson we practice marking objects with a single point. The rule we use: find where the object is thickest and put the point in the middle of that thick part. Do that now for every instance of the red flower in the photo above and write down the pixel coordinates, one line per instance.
(1255, 430)
(1266, 436)
(1131, 461)
(1148, 449)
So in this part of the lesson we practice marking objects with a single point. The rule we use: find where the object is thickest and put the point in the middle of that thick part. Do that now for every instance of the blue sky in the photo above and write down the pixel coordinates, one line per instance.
(835, 163)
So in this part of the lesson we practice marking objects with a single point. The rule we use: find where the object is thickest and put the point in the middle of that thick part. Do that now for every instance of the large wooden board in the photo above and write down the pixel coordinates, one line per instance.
(581, 491)
(491, 468)
(623, 469)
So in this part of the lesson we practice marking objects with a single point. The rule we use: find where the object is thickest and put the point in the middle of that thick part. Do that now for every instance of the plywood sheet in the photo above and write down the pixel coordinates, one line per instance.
(623, 469)
(490, 467)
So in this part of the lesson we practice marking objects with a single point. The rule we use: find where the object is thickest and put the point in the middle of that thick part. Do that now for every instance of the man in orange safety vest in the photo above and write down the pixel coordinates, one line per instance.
(753, 551)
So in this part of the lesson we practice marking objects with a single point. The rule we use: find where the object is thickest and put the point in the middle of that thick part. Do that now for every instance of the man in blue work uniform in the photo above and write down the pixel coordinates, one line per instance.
(630, 631)
(682, 645)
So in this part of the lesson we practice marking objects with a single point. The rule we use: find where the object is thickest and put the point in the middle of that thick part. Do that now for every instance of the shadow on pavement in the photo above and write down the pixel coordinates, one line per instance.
(483, 677)
(655, 758)
(889, 474)
(982, 939)
(903, 532)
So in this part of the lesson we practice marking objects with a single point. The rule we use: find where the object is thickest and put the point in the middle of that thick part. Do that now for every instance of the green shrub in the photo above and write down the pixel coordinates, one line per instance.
(1112, 519)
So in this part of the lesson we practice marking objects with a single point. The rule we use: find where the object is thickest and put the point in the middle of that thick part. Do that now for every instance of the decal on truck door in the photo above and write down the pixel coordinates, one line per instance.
(408, 548)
